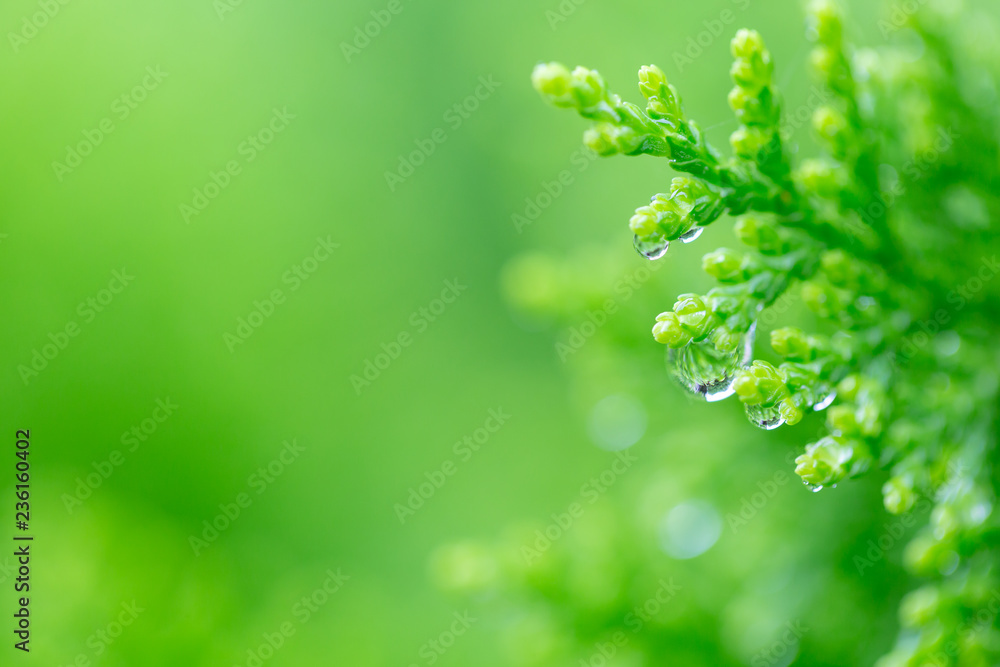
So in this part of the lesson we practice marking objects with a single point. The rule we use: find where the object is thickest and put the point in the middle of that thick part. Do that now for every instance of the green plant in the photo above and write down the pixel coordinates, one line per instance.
(889, 237)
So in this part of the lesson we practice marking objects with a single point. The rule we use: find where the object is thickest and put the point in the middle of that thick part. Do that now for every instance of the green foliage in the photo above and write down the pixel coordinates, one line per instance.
(888, 238)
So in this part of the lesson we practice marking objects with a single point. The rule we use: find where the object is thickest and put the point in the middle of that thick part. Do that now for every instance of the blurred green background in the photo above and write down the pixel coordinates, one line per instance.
(316, 178)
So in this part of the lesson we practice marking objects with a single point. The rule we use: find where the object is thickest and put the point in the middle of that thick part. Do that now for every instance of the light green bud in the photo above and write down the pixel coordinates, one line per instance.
(644, 224)
(652, 81)
(919, 607)
(752, 65)
(724, 304)
(668, 330)
(602, 139)
(749, 141)
(923, 555)
(724, 265)
(588, 87)
(756, 233)
(897, 494)
(849, 387)
(660, 217)
(839, 267)
(760, 384)
(553, 81)
(747, 44)
(824, 61)
(694, 315)
(831, 460)
(830, 125)
(790, 411)
(792, 344)
(820, 298)
(695, 202)
(749, 108)
(671, 221)
(726, 340)
(945, 521)
(825, 22)
(820, 177)
(606, 139)
(869, 418)
(662, 100)
(841, 418)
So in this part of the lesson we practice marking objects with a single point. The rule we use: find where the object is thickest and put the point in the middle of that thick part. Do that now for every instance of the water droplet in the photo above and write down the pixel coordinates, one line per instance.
(651, 249)
(865, 302)
(949, 563)
(765, 418)
(979, 512)
(815, 488)
(706, 371)
(690, 529)
(617, 423)
(692, 234)
(825, 402)
(947, 343)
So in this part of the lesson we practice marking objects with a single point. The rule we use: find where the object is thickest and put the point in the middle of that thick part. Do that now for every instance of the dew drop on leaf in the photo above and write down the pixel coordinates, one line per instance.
(651, 250)
(706, 371)
(825, 401)
(692, 234)
(765, 418)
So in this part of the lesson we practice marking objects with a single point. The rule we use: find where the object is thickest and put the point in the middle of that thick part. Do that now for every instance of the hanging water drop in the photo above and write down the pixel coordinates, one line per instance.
(765, 418)
(706, 371)
(815, 488)
(825, 401)
(651, 248)
(692, 234)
